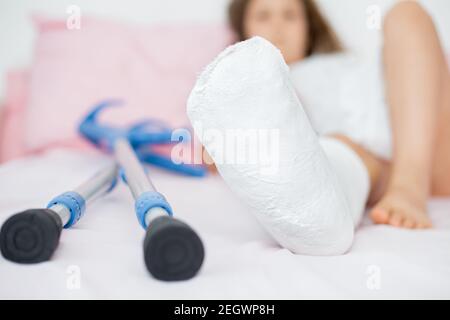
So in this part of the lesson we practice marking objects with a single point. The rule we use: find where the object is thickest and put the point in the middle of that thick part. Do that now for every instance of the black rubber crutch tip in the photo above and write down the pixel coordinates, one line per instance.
(172, 250)
(30, 236)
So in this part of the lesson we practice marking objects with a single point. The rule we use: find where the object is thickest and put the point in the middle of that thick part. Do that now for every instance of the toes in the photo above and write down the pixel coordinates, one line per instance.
(409, 223)
(380, 215)
(423, 221)
(398, 216)
(420, 225)
(424, 224)
(396, 219)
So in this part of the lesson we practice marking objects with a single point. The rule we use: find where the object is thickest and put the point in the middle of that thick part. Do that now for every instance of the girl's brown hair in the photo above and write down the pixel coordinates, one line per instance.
(321, 37)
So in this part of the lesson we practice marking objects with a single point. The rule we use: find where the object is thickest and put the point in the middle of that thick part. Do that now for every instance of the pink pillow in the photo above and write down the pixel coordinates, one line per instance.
(151, 68)
(12, 118)
(12, 115)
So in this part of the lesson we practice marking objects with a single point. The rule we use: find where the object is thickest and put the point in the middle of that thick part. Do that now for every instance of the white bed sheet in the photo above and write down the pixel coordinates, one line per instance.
(242, 261)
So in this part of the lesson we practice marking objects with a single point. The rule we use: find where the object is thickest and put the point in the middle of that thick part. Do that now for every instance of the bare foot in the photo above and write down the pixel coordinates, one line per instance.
(401, 206)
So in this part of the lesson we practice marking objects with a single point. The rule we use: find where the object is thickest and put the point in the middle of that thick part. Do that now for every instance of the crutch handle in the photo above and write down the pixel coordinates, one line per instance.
(30, 236)
(172, 250)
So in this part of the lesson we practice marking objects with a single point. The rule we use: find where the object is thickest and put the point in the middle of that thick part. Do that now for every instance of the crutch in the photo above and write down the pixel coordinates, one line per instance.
(172, 249)
(32, 236)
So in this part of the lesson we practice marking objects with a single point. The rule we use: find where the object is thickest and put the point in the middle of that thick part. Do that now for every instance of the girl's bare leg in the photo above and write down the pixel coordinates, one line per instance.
(415, 74)
(377, 168)
(440, 185)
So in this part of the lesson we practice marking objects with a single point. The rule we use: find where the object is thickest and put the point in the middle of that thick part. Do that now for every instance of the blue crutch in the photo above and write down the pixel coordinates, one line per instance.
(32, 236)
(172, 249)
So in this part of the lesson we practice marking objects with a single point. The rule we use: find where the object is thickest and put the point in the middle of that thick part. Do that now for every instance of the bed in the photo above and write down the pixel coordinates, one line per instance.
(101, 257)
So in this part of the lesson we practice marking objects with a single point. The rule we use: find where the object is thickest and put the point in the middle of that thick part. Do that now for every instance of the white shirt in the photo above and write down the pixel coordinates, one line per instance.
(343, 94)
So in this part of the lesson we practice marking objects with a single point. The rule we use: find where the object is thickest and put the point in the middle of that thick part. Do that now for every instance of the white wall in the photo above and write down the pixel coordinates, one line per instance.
(350, 19)
(16, 31)
(17, 34)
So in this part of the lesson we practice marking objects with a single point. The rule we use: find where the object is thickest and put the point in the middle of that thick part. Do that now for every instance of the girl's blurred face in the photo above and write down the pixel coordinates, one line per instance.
(282, 22)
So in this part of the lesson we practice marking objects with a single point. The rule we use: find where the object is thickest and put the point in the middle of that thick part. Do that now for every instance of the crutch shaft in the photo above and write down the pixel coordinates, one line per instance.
(70, 206)
(63, 213)
(89, 191)
(98, 184)
(150, 204)
(137, 179)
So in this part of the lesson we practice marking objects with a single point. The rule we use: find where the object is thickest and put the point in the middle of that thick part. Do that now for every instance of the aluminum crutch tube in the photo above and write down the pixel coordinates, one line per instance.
(172, 249)
(32, 236)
